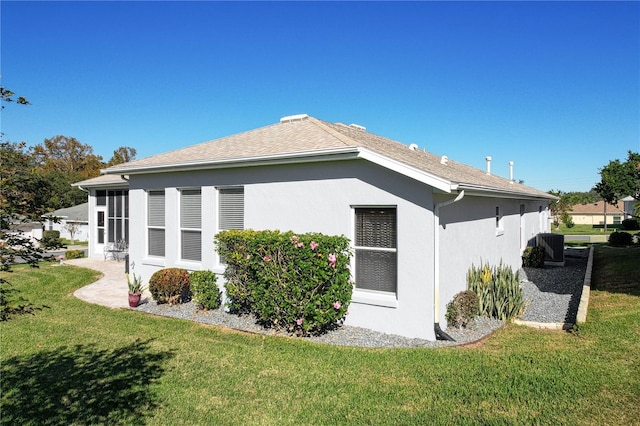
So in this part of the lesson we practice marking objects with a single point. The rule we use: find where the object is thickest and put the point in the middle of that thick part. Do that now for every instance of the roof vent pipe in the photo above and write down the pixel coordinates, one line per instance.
(444, 160)
(413, 147)
(488, 165)
(511, 171)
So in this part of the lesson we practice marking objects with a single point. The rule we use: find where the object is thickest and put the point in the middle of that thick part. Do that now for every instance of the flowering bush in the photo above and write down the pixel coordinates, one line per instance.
(170, 285)
(462, 309)
(298, 283)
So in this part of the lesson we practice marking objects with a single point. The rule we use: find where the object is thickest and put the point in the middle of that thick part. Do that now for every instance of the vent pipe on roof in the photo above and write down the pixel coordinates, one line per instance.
(296, 117)
(444, 160)
(488, 165)
(413, 147)
(511, 171)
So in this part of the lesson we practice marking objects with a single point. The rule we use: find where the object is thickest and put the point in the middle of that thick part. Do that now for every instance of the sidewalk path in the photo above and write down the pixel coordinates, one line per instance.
(111, 289)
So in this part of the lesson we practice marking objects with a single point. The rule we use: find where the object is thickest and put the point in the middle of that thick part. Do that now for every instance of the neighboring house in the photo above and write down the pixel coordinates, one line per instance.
(417, 220)
(70, 219)
(594, 213)
(26, 229)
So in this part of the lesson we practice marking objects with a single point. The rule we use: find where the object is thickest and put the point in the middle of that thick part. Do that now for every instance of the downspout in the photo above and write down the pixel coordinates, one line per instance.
(440, 335)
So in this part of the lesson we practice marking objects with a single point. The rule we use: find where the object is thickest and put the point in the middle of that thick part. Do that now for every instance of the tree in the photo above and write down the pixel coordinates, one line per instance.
(17, 201)
(7, 95)
(123, 154)
(620, 179)
(67, 155)
(560, 209)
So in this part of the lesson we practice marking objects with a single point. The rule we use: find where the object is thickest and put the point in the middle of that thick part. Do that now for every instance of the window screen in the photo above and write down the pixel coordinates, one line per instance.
(375, 251)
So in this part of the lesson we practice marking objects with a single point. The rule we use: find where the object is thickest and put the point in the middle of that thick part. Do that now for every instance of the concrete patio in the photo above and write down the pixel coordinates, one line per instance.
(111, 289)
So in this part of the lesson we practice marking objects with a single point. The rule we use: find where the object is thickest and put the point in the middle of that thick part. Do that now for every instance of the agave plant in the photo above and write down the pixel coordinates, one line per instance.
(135, 284)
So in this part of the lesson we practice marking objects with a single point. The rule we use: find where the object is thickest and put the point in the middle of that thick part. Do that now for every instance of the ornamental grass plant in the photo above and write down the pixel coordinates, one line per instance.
(498, 288)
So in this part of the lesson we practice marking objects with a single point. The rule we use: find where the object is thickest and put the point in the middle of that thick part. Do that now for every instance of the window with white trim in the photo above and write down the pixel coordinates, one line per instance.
(155, 223)
(376, 254)
(231, 208)
(191, 224)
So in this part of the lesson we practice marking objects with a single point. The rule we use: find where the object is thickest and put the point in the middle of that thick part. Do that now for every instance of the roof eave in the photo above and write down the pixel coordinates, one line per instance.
(483, 191)
(347, 153)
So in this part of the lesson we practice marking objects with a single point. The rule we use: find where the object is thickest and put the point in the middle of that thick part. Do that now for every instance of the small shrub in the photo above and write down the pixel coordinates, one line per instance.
(498, 289)
(631, 224)
(462, 309)
(51, 239)
(170, 285)
(620, 239)
(204, 289)
(533, 257)
(74, 254)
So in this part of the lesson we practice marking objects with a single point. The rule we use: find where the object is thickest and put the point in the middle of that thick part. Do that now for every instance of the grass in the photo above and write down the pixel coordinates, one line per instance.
(77, 363)
(580, 230)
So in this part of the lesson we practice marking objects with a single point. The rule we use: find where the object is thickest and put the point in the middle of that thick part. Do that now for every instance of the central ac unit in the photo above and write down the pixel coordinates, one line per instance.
(553, 247)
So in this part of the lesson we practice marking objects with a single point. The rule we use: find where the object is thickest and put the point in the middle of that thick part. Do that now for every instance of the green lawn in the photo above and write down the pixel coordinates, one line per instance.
(582, 230)
(76, 363)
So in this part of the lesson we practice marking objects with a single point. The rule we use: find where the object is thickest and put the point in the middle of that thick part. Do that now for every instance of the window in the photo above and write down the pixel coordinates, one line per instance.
(617, 220)
(191, 224)
(100, 227)
(155, 223)
(231, 208)
(499, 225)
(101, 197)
(375, 249)
(117, 216)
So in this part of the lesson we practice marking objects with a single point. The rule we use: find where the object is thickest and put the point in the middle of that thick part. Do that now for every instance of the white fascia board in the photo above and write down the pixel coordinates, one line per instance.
(411, 172)
(348, 153)
(482, 191)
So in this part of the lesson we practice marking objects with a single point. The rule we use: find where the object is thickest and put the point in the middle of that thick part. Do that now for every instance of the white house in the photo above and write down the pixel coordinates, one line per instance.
(417, 220)
(70, 220)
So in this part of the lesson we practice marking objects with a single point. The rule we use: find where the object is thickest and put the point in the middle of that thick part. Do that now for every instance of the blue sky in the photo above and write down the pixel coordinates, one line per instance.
(554, 87)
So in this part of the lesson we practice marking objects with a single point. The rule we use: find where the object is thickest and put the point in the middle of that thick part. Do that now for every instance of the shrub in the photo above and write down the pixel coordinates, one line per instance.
(74, 254)
(204, 289)
(533, 257)
(620, 239)
(462, 309)
(498, 290)
(631, 224)
(170, 285)
(51, 239)
(297, 283)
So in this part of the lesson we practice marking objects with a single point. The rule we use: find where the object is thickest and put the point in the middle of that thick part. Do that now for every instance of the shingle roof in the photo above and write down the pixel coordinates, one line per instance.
(79, 213)
(102, 180)
(597, 208)
(310, 136)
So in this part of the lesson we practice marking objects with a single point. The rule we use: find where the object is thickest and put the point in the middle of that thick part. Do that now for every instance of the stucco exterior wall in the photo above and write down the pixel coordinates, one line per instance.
(305, 198)
(468, 235)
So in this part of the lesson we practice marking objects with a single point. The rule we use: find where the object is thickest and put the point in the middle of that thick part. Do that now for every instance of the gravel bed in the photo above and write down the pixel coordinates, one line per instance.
(343, 336)
(553, 292)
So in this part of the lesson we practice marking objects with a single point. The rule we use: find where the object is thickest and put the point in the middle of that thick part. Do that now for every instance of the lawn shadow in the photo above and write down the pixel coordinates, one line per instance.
(81, 384)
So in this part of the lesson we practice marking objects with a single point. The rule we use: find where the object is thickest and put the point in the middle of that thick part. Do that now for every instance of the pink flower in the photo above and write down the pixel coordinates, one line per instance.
(336, 305)
(299, 321)
(267, 259)
(313, 245)
(300, 245)
(248, 256)
(332, 260)
(294, 239)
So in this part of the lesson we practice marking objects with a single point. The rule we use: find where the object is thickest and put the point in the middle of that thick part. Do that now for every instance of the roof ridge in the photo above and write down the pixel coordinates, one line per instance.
(326, 126)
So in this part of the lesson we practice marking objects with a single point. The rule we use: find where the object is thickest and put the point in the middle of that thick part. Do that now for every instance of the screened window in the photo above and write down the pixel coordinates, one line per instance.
(231, 208)
(101, 197)
(376, 254)
(155, 223)
(191, 224)
(117, 216)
